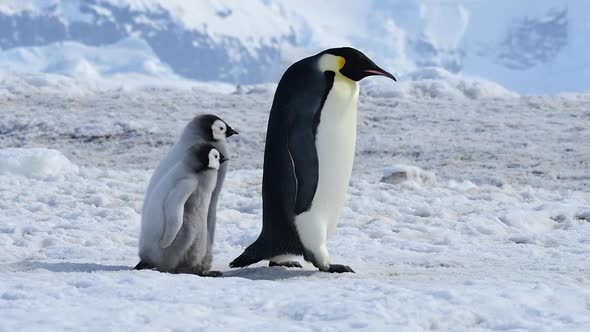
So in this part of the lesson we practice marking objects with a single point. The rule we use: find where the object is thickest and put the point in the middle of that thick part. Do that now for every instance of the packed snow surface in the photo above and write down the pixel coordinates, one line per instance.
(402, 173)
(489, 231)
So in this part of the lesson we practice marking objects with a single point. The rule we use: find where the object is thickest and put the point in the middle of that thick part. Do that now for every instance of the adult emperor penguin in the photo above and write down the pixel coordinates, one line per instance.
(174, 236)
(202, 128)
(310, 145)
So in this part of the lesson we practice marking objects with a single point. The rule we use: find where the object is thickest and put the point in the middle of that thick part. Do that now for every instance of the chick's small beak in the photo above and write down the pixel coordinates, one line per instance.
(223, 159)
(231, 131)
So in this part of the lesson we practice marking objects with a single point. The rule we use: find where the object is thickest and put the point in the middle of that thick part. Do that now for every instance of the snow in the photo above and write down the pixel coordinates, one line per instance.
(584, 215)
(401, 173)
(487, 39)
(217, 18)
(490, 232)
(495, 47)
(223, 18)
(35, 163)
(435, 82)
(75, 60)
(13, 7)
(15, 84)
(468, 208)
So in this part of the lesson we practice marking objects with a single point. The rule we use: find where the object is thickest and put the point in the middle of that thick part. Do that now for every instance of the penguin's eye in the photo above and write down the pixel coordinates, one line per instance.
(221, 128)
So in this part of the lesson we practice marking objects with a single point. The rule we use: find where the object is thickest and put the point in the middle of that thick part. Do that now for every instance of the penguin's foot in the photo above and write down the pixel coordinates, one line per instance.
(248, 257)
(285, 264)
(143, 266)
(212, 274)
(339, 268)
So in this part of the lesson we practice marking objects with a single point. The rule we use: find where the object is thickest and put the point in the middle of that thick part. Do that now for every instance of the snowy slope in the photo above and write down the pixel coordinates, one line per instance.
(463, 214)
(541, 46)
(86, 62)
(203, 40)
(526, 46)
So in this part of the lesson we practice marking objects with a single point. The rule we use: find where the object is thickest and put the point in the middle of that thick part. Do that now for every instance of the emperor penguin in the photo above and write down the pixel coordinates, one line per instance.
(202, 128)
(174, 236)
(308, 157)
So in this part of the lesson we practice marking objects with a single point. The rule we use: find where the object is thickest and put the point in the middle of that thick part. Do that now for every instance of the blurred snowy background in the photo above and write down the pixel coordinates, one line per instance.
(469, 204)
(528, 47)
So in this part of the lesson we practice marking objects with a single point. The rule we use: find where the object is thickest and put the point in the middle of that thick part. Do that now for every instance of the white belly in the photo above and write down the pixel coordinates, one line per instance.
(335, 144)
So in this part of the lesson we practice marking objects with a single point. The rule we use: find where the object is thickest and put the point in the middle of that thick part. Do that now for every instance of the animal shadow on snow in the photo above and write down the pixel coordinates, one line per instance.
(62, 267)
(268, 273)
(253, 273)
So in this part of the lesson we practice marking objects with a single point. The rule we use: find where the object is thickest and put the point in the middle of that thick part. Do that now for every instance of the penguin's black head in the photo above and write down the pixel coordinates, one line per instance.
(351, 63)
(205, 156)
(216, 128)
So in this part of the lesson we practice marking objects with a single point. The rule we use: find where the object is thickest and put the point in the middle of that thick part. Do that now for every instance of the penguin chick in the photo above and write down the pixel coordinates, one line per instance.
(174, 236)
(202, 128)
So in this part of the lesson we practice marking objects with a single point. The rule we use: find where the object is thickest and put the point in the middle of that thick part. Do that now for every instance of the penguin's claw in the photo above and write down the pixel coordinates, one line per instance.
(339, 268)
(285, 264)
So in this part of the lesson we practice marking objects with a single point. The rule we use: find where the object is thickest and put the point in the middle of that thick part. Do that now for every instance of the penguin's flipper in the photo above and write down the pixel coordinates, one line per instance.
(291, 167)
(174, 209)
(304, 162)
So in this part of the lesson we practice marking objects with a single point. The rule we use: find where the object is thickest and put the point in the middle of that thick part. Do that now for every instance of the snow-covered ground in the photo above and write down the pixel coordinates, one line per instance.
(465, 212)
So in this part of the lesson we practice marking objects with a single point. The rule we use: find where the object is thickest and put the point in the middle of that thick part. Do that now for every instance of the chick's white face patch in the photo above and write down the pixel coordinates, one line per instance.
(219, 130)
(214, 159)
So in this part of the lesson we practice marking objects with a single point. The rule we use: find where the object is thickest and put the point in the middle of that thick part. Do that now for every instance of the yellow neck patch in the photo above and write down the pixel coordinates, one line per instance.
(331, 62)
